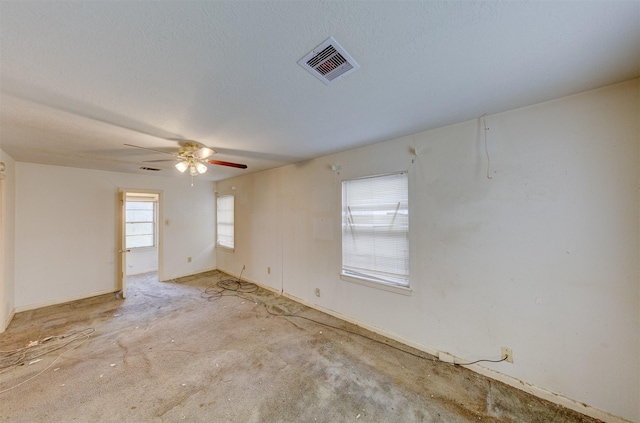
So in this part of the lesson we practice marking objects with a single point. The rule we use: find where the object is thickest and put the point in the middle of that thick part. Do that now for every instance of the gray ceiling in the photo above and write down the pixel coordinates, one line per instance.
(81, 79)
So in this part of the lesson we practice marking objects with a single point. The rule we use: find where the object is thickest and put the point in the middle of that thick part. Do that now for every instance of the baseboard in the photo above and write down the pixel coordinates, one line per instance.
(431, 351)
(62, 300)
(197, 272)
(492, 374)
(140, 272)
(89, 295)
(8, 320)
(544, 394)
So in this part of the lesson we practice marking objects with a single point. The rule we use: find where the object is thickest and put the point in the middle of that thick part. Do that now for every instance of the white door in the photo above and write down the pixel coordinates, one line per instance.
(2, 289)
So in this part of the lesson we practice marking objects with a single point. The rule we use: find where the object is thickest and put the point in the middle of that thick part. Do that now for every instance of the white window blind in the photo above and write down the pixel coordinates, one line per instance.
(375, 229)
(140, 223)
(225, 210)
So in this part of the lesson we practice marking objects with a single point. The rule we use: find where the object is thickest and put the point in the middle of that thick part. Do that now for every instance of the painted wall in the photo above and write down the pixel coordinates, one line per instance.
(66, 227)
(142, 261)
(7, 259)
(541, 256)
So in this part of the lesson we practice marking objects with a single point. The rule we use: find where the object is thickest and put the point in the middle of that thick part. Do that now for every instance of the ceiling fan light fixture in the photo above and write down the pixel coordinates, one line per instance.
(203, 153)
(182, 166)
(201, 168)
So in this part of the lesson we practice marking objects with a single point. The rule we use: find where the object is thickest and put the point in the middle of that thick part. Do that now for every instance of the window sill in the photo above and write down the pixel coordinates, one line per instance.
(223, 248)
(378, 285)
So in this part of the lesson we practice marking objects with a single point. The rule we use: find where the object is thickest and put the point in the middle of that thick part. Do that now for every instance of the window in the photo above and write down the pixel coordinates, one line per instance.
(141, 223)
(375, 229)
(225, 221)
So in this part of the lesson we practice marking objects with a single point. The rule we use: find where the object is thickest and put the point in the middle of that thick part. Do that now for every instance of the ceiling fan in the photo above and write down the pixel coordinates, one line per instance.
(192, 156)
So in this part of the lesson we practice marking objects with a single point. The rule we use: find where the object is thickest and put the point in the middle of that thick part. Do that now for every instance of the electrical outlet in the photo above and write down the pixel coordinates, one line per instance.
(268, 270)
(506, 352)
(188, 259)
(317, 292)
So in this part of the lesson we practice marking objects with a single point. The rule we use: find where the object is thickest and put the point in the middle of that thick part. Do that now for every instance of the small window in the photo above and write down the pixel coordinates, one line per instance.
(141, 224)
(225, 224)
(375, 229)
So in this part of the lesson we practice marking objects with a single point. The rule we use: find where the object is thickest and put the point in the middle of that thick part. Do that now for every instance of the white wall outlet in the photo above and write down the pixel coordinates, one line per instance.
(317, 292)
(268, 270)
(508, 354)
(188, 259)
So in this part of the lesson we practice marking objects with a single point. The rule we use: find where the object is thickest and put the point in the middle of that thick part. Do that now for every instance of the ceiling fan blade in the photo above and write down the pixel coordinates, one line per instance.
(204, 152)
(150, 149)
(221, 163)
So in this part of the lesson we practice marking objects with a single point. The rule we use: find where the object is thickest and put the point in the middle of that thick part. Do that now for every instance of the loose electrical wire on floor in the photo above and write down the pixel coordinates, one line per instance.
(36, 349)
(39, 348)
(385, 342)
(231, 287)
(482, 360)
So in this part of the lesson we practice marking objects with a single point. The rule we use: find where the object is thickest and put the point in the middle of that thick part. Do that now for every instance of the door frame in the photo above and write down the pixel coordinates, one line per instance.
(121, 250)
(3, 321)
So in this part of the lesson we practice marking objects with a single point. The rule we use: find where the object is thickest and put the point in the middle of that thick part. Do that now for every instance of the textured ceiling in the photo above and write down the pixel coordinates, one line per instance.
(81, 79)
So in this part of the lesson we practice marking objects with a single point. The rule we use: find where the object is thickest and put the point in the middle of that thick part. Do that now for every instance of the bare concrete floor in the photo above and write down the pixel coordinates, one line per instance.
(166, 354)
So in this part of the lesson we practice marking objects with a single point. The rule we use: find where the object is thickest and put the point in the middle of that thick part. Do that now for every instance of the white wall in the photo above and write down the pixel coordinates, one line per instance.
(66, 230)
(542, 258)
(142, 260)
(7, 256)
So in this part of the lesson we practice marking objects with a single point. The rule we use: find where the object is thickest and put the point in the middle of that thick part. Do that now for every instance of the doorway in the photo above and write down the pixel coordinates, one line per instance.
(140, 234)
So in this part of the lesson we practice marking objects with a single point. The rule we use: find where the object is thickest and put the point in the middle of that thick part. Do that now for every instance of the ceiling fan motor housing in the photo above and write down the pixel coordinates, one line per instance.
(189, 148)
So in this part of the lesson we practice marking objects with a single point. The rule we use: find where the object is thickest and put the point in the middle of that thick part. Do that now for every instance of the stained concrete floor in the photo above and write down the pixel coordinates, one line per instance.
(170, 354)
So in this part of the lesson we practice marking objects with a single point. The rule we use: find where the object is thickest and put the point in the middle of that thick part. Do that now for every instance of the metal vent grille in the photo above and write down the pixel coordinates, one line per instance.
(329, 62)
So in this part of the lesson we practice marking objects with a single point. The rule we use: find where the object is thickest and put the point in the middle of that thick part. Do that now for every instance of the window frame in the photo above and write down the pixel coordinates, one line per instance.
(373, 278)
(154, 222)
(219, 244)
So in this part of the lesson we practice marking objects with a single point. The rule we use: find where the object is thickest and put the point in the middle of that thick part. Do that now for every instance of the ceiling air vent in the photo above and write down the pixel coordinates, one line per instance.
(329, 62)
